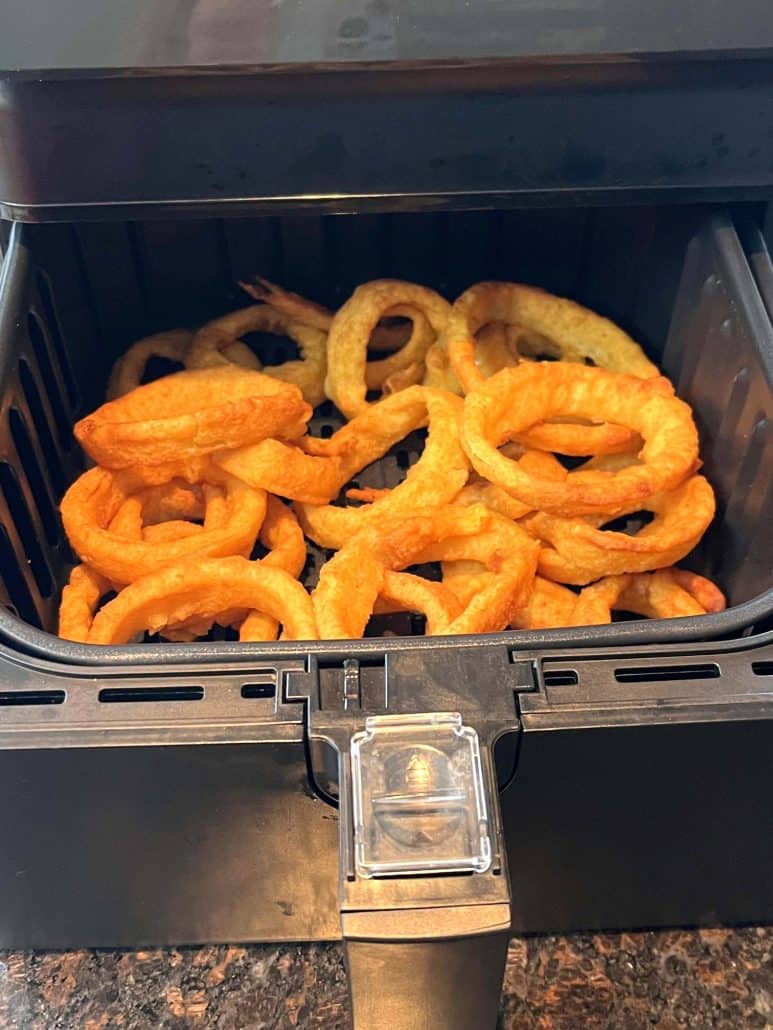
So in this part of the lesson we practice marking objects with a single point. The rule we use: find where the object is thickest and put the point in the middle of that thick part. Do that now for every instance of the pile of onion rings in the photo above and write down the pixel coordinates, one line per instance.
(557, 483)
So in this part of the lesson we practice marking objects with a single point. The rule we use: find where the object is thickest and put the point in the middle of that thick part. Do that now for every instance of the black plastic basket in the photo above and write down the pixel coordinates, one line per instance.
(72, 299)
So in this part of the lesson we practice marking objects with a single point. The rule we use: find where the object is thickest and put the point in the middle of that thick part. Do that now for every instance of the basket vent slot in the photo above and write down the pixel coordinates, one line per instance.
(762, 668)
(14, 698)
(43, 357)
(55, 335)
(661, 673)
(15, 583)
(22, 519)
(50, 451)
(29, 460)
(258, 690)
(561, 678)
(127, 695)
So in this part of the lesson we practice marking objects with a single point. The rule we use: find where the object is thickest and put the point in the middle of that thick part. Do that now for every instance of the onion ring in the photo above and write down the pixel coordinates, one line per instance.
(543, 389)
(580, 553)
(656, 595)
(283, 536)
(578, 333)
(188, 414)
(404, 592)
(353, 326)
(152, 515)
(285, 470)
(435, 479)
(405, 366)
(480, 491)
(94, 498)
(504, 549)
(550, 606)
(495, 349)
(162, 513)
(388, 335)
(128, 370)
(209, 347)
(205, 589)
(352, 579)
(568, 330)
(707, 594)
(80, 600)
(280, 533)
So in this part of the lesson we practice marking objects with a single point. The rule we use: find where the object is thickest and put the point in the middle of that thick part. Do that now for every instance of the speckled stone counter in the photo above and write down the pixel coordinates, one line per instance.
(708, 978)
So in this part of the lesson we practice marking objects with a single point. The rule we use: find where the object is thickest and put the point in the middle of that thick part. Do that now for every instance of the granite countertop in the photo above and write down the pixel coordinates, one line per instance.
(670, 979)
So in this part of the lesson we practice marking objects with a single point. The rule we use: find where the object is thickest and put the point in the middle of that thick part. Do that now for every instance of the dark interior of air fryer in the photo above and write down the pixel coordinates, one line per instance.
(96, 287)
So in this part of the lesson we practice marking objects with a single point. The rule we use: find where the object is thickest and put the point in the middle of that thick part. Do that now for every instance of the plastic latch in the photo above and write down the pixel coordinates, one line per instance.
(418, 797)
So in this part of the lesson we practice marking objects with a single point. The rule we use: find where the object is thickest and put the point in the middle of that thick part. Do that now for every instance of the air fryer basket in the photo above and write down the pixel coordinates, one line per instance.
(72, 298)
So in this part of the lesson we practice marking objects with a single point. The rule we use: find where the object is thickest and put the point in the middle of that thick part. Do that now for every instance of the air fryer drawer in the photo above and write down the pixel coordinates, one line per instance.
(74, 297)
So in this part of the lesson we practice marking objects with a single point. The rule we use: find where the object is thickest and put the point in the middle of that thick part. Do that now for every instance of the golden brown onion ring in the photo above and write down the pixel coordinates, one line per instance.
(504, 550)
(435, 479)
(210, 347)
(561, 327)
(579, 334)
(91, 502)
(352, 579)
(655, 595)
(350, 582)
(516, 398)
(285, 470)
(403, 592)
(129, 368)
(189, 414)
(282, 535)
(80, 600)
(578, 552)
(205, 589)
(550, 606)
(353, 326)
